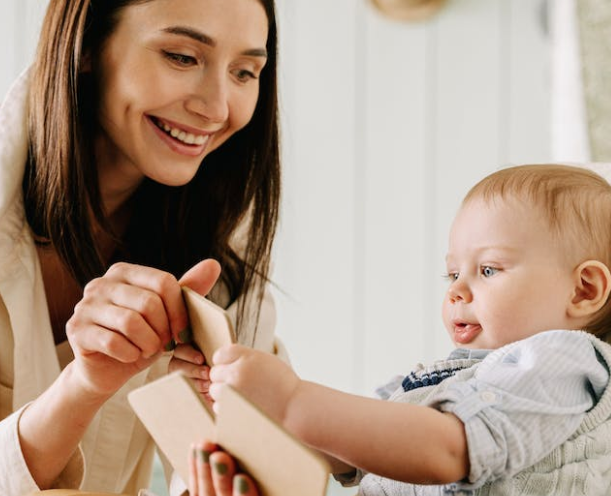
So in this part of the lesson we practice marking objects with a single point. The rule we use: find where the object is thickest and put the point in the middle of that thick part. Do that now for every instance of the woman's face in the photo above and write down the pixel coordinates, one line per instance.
(177, 79)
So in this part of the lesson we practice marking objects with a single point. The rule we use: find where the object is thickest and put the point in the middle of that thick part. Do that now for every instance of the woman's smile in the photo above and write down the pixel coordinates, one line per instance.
(181, 139)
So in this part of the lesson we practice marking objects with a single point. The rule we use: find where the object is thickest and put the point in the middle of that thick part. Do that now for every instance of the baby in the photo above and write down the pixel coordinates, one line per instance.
(523, 404)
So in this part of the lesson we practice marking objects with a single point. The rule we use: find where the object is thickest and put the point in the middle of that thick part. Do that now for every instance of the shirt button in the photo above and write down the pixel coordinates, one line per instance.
(488, 396)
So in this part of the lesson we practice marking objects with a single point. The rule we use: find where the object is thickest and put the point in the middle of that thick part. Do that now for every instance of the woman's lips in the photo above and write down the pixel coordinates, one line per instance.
(191, 150)
(466, 333)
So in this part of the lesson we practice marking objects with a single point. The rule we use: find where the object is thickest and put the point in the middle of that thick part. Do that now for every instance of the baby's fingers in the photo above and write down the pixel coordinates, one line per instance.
(229, 353)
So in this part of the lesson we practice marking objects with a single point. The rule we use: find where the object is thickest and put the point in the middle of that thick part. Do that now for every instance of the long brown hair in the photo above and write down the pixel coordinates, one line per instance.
(171, 228)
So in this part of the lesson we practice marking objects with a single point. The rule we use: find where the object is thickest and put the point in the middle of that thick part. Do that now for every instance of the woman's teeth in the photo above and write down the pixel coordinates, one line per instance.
(180, 135)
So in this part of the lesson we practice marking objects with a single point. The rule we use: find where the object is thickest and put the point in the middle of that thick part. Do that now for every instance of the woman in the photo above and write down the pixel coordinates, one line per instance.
(142, 141)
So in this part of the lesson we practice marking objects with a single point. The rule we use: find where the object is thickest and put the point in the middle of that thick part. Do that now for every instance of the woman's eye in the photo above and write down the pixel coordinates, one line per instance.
(451, 276)
(180, 59)
(244, 76)
(489, 271)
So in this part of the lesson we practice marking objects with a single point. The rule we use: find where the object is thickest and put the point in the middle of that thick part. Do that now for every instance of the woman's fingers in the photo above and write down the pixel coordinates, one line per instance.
(123, 324)
(195, 372)
(127, 317)
(187, 353)
(202, 277)
(243, 485)
(213, 473)
(191, 363)
(143, 304)
(200, 476)
(94, 339)
(162, 285)
(222, 469)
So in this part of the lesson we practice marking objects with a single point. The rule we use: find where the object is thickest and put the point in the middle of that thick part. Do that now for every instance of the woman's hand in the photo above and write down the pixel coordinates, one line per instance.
(186, 358)
(125, 320)
(213, 472)
(192, 363)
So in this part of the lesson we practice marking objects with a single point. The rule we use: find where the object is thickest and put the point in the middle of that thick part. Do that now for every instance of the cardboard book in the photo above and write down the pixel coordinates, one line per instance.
(176, 415)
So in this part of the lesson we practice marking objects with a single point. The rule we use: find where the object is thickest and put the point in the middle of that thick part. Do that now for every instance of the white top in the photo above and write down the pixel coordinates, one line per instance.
(116, 453)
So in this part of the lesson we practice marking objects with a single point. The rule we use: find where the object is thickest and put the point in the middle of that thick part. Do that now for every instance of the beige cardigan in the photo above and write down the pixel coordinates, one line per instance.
(116, 453)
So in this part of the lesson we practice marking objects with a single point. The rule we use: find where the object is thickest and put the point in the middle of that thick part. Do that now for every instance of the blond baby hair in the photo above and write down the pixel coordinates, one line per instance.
(576, 203)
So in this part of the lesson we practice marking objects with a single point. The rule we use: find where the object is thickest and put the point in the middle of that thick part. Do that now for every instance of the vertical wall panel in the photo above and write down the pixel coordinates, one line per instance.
(466, 127)
(528, 83)
(19, 22)
(394, 200)
(33, 12)
(11, 35)
(316, 250)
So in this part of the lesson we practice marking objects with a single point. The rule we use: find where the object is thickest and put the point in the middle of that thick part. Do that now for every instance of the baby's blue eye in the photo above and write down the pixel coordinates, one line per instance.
(489, 271)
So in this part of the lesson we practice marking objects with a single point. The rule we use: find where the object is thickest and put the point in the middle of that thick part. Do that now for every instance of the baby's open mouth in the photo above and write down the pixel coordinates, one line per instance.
(465, 332)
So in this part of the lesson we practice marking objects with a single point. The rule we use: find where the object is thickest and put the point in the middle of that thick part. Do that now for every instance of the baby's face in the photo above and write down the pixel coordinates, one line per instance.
(508, 278)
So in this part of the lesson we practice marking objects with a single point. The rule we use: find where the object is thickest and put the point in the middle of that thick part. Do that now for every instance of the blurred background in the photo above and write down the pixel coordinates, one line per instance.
(386, 124)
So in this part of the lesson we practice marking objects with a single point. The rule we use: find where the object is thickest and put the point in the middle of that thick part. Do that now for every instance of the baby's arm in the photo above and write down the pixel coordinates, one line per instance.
(401, 441)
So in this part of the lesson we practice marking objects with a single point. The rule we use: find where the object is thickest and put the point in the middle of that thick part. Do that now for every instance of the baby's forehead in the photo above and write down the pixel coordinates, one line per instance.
(519, 216)
(506, 202)
(501, 220)
(511, 204)
(493, 197)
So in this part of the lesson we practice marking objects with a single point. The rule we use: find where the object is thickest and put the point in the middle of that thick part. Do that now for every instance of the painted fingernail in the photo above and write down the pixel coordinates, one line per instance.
(242, 483)
(203, 455)
(170, 346)
(184, 336)
(220, 468)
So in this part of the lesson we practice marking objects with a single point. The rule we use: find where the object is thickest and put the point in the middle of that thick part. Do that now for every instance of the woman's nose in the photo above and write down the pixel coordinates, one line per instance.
(210, 99)
(459, 292)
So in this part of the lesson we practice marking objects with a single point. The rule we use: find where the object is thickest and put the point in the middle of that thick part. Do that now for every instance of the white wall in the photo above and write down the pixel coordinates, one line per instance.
(20, 22)
(386, 126)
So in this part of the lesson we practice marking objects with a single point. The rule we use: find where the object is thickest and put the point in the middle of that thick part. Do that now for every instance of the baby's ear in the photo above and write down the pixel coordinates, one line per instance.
(592, 287)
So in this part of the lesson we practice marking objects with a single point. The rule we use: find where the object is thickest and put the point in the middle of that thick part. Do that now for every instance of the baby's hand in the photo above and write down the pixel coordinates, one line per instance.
(192, 364)
(262, 378)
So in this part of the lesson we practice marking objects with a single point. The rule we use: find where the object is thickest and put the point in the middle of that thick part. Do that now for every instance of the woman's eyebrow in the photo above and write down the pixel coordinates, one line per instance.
(207, 40)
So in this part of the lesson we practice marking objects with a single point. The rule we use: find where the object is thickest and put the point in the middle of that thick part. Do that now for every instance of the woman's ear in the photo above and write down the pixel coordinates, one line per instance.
(592, 287)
